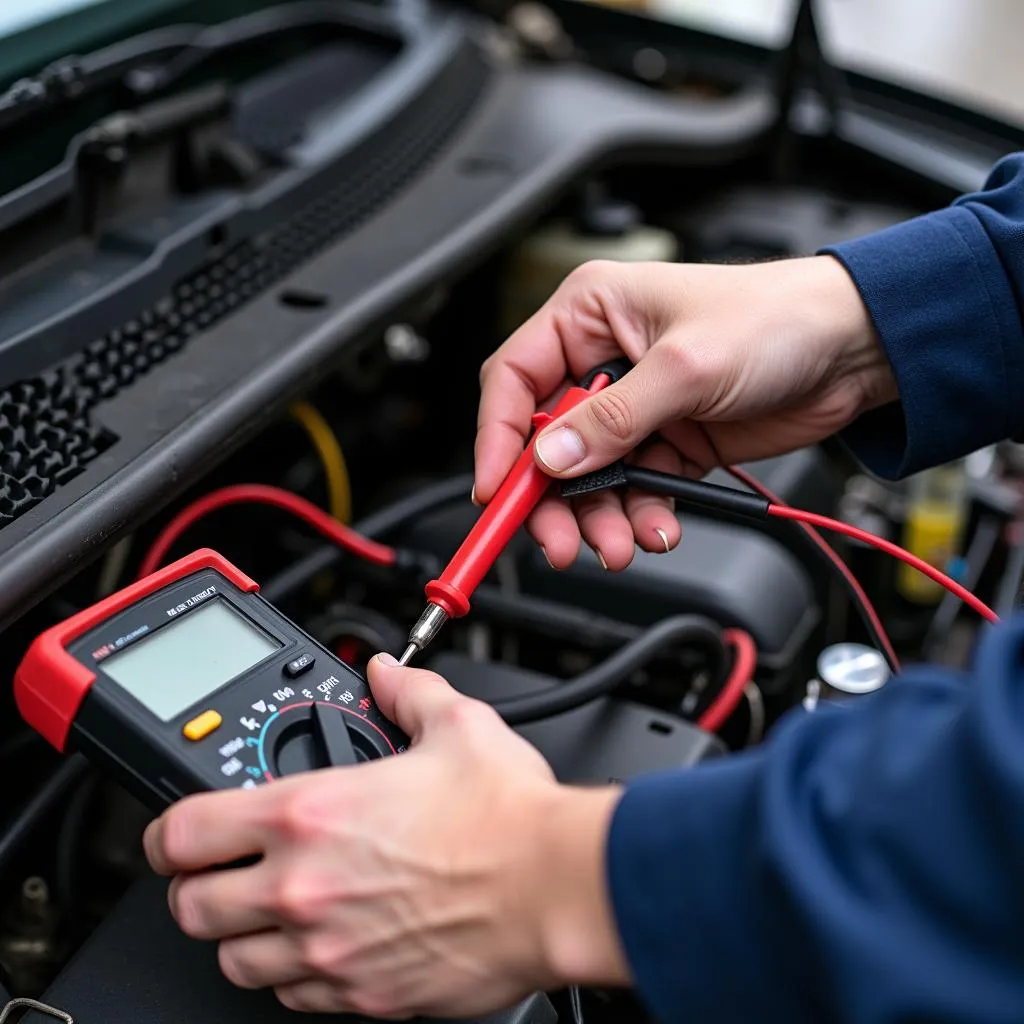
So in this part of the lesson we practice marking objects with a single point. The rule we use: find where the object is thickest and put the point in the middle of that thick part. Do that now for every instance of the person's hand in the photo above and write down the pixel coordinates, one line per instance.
(451, 880)
(731, 363)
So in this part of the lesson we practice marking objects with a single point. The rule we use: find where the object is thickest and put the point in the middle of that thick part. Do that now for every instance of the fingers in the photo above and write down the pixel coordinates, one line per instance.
(553, 526)
(413, 698)
(614, 526)
(219, 904)
(610, 525)
(264, 960)
(210, 830)
(613, 422)
(312, 997)
(606, 529)
(653, 521)
(567, 337)
(498, 444)
(514, 381)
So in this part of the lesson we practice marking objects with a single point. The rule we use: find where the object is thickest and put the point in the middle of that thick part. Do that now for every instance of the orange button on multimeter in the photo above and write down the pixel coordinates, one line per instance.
(193, 653)
(202, 725)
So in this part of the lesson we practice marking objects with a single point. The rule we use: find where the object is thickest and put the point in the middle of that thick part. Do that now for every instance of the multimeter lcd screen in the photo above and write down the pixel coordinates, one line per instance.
(188, 659)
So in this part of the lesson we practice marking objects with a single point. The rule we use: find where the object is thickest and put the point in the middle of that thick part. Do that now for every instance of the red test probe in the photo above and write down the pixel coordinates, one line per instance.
(449, 595)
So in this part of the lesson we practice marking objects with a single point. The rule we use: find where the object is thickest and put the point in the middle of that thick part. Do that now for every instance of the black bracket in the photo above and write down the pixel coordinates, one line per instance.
(109, 145)
(805, 61)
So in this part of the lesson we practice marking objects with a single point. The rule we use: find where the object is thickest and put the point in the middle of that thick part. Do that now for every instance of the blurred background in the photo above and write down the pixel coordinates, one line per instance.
(967, 50)
(17, 14)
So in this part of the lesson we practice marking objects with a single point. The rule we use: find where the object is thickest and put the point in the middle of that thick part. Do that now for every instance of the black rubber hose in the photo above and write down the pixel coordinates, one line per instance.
(604, 678)
(374, 526)
(70, 771)
(419, 503)
(552, 618)
(698, 492)
(69, 845)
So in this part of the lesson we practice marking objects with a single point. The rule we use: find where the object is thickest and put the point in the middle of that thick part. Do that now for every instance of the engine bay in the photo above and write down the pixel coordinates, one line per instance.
(275, 251)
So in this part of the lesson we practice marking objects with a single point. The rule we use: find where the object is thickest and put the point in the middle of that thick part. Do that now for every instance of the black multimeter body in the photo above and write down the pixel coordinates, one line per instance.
(190, 681)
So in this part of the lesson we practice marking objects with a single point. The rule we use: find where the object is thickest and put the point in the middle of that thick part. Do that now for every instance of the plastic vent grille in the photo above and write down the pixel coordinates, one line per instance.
(46, 438)
(47, 432)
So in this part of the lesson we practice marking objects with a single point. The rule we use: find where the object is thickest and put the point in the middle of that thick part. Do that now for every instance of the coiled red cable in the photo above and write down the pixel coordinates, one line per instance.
(741, 673)
(261, 494)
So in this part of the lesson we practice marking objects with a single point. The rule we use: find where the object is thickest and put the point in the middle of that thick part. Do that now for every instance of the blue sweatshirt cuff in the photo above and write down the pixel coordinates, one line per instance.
(863, 865)
(690, 832)
(947, 317)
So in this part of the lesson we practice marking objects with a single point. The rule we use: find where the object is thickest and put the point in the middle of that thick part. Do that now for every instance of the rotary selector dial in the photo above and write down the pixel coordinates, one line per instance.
(317, 734)
(299, 729)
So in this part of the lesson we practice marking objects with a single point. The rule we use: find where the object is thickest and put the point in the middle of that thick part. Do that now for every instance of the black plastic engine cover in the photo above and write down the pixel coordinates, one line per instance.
(139, 967)
(607, 740)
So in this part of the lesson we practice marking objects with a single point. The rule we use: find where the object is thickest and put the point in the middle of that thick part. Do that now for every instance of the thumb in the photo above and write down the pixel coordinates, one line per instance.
(413, 698)
(613, 422)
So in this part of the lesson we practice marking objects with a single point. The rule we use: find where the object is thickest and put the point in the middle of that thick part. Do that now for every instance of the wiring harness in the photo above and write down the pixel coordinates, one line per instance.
(733, 652)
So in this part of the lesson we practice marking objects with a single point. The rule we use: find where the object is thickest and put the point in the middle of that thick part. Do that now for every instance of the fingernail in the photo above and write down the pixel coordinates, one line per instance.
(472, 496)
(561, 449)
(387, 659)
(664, 538)
(600, 558)
(547, 557)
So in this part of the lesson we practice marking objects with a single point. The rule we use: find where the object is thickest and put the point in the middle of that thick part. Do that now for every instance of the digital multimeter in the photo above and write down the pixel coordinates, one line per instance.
(189, 681)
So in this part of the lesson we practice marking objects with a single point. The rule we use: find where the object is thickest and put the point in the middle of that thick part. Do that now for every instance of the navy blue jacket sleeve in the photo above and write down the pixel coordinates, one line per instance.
(867, 863)
(946, 294)
(864, 865)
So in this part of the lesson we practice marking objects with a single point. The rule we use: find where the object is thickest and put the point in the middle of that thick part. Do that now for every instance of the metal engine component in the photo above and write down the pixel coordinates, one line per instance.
(852, 670)
(30, 945)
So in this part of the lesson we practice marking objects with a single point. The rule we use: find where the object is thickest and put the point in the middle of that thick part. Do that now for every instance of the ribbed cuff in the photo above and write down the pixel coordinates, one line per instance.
(947, 318)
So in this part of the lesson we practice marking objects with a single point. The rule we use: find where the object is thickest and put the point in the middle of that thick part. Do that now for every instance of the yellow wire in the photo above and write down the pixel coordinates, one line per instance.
(339, 488)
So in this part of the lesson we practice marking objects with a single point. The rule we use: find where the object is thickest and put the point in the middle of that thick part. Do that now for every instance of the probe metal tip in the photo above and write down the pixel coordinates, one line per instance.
(422, 634)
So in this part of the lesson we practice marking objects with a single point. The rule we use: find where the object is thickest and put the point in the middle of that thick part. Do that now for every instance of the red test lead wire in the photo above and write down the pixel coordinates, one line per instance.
(867, 608)
(759, 506)
(825, 523)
